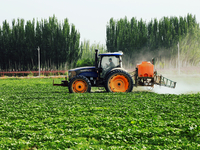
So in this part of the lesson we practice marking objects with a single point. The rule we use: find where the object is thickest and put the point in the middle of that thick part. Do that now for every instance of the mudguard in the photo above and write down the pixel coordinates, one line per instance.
(111, 70)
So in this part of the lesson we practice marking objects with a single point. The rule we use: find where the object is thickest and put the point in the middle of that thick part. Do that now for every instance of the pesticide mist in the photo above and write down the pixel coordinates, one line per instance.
(186, 84)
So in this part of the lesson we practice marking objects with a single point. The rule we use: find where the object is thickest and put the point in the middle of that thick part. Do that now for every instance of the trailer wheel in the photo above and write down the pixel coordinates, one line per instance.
(79, 84)
(119, 81)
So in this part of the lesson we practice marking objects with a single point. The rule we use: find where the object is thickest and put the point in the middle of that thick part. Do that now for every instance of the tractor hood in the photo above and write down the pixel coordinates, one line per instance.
(88, 68)
(88, 71)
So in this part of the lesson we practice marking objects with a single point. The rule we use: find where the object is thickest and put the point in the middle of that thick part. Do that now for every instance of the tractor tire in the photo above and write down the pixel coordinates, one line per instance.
(119, 81)
(79, 84)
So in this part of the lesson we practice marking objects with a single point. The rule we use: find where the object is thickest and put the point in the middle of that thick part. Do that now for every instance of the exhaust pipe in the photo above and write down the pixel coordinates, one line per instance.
(96, 59)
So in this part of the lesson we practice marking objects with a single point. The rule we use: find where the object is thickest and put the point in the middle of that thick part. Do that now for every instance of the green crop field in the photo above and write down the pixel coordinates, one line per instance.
(36, 115)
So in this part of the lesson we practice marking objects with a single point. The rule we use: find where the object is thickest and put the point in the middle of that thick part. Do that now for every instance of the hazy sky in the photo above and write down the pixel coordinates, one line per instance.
(90, 17)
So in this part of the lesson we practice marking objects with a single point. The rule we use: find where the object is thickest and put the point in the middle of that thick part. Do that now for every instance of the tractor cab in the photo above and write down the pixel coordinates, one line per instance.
(109, 61)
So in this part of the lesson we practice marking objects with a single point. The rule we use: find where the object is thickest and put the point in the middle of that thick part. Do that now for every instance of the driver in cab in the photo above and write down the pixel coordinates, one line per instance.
(111, 65)
(108, 67)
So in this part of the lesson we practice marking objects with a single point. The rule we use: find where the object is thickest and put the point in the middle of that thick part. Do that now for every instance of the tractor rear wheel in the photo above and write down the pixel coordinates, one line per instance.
(119, 81)
(79, 84)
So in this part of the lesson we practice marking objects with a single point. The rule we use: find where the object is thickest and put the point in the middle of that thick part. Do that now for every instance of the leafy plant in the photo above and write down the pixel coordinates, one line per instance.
(34, 114)
(85, 62)
(30, 74)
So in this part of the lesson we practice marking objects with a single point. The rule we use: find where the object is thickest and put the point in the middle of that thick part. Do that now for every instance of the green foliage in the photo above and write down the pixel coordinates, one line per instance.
(88, 50)
(60, 45)
(190, 48)
(34, 114)
(50, 74)
(66, 73)
(85, 62)
(88, 53)
(30, 74)
(149, 40)
(58, 42)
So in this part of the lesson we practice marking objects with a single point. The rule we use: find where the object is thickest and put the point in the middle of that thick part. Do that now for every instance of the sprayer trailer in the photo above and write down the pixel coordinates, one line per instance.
(109, 73)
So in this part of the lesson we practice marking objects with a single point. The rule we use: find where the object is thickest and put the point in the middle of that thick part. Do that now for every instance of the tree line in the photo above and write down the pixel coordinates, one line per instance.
(137, 38)
(59, 44)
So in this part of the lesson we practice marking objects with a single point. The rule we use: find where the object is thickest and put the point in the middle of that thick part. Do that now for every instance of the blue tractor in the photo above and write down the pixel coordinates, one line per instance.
(107, 72)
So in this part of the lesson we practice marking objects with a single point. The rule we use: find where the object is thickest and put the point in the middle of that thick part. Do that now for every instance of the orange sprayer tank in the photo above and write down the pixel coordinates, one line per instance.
(145, 69)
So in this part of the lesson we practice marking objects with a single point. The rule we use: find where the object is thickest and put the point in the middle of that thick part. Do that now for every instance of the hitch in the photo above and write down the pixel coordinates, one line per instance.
(63, 83)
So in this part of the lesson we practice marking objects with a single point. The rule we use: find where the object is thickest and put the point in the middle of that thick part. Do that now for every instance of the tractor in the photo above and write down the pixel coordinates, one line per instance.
(109, 73)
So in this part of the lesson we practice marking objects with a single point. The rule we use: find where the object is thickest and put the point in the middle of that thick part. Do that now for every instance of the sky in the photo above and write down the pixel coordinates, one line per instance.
(90, 17)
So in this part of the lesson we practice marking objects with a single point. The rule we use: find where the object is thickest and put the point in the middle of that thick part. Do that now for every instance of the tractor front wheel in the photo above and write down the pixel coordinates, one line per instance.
(119, 81)
(79, 84)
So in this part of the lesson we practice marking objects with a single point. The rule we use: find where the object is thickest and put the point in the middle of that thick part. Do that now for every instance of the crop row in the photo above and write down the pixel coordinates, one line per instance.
(34, 114)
